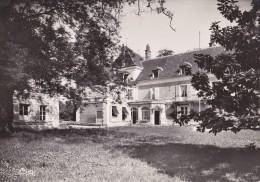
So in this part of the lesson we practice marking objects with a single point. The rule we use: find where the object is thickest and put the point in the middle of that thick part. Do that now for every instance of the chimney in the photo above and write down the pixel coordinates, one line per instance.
(147, 52)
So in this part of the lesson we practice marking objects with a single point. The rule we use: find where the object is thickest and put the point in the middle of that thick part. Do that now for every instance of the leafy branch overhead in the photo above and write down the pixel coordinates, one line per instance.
(234, 101)
(44, 42)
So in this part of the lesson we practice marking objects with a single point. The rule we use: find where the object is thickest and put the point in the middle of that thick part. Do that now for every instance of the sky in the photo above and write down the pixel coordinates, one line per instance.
(190, 18)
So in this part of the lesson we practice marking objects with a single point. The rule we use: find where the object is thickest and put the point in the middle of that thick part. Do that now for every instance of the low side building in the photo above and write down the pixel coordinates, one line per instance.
(38, 112)
(104, 113)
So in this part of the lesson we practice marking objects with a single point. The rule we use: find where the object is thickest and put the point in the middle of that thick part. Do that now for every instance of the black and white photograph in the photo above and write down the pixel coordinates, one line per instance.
(129, 90)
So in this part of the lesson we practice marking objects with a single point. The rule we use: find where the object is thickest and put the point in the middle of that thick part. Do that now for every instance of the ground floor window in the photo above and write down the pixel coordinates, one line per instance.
(145, 113)
(23, 109)
(43, 113)
(99, 114)
(184, 110)
(114, 111)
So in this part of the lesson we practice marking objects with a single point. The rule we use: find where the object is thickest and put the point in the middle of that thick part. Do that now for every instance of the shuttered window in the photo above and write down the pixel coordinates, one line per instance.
(184, 110)
(183, 90)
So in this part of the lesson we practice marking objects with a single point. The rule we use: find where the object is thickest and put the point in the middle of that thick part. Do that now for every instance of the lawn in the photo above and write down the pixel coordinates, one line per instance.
(129, 154)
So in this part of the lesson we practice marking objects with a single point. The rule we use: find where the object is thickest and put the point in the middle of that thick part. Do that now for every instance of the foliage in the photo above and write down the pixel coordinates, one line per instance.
(250, 147)
(234, 101)
(58, 39)
(66, 110)
(164, 52)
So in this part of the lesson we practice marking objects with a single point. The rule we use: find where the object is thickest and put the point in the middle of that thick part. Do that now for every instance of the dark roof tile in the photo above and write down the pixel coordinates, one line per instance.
(170, 64)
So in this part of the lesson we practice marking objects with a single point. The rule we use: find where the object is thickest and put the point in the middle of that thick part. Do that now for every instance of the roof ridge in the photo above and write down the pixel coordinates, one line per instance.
(188, 51)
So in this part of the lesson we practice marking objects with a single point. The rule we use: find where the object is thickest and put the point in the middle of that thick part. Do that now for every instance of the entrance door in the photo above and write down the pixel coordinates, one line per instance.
(134, 114)
(157, 117)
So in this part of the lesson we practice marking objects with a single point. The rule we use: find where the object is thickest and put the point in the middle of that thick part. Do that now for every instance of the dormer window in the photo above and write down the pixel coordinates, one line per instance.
(184, 68)
(182, 71)
(156, 72)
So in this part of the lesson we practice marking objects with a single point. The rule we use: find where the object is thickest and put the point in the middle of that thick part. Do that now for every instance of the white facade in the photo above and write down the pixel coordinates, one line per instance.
(105, 113)
(38, 112)
(161, 90)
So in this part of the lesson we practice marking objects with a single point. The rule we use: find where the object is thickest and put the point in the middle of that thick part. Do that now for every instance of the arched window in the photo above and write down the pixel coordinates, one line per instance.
(145, 113)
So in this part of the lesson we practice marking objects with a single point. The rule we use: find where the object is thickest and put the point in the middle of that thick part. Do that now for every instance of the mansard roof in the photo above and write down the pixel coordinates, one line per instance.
(128, 58)
(170, 64)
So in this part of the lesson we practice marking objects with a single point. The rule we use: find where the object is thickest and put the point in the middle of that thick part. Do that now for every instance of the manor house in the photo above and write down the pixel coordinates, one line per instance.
(161, 87)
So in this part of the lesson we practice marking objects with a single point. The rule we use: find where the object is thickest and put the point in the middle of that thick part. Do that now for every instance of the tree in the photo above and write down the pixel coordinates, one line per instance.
(164, 52)
(41, 42)
(234, 102)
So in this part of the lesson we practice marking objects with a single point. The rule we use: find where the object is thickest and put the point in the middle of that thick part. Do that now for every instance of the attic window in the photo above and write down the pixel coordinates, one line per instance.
(184, 68)
(182, 71)
(156, 72)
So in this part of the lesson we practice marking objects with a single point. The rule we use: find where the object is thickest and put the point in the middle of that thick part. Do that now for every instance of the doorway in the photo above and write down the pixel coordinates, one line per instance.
(157, 117)
(134, 114)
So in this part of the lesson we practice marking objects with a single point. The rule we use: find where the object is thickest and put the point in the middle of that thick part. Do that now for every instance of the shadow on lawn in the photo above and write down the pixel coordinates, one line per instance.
(199, 163)
(66, 135)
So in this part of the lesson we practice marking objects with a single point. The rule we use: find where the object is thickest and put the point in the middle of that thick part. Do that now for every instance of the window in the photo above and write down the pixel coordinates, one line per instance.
(182, 71)
(185, 68)
(23, 109)
(155, 73)
(145, 113)
(184, 110)
(125, 76)
(124, 113)
(43, 113)
(183, 90)
(114, 111)
(99, 114)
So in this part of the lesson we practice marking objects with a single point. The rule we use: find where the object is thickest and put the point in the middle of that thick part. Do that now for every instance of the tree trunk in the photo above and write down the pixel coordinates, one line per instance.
(6, 108)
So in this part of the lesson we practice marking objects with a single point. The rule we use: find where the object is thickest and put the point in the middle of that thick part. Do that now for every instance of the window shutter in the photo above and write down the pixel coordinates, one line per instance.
(157, 92)
(177, 90)
(178, 110)
(172, 91)
(189, 90)
(151, 93)
(188, 109)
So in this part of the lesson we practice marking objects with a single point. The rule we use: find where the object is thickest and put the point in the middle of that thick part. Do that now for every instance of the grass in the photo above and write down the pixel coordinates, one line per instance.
(70, 156)
(129, 154)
